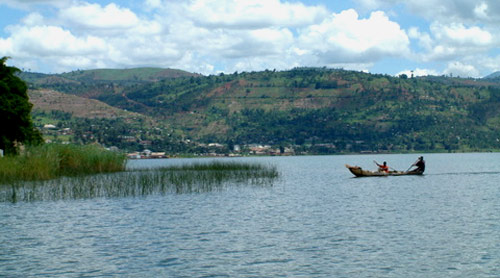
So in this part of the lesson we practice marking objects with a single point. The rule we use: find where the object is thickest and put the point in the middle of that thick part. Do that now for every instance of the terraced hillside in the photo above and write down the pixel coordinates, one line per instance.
(312, 109)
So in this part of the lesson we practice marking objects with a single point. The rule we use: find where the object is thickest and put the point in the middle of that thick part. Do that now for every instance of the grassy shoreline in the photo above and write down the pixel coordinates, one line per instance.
(51, 161)
(180, 179)
(59, 172)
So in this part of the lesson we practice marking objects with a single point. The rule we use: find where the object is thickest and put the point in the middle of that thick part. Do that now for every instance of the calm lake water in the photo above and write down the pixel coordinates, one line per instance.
(315, 221)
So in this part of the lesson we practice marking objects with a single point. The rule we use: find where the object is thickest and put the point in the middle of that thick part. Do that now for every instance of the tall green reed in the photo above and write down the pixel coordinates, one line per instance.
(192, 178)
(53, 160)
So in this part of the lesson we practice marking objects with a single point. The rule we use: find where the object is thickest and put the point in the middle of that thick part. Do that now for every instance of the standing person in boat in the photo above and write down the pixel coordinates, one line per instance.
(420, 163)
(382, 167)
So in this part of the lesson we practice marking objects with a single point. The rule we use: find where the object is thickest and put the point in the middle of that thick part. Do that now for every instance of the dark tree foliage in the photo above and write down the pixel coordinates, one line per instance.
(17, 126)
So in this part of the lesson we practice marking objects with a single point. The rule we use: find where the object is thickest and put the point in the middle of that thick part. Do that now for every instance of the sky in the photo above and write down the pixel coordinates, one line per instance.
(424, 37)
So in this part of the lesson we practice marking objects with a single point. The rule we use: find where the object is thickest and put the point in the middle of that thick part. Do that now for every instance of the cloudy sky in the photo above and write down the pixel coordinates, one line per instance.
(458, 37)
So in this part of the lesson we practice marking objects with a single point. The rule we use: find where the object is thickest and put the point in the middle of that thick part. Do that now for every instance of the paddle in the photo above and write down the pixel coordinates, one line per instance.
(376, 163)
(411, 165)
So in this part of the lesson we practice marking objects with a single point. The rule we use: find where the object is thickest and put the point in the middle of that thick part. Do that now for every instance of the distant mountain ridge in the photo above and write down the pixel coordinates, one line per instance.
(493, 75)
(148, 74)
(314, 109)
(142, 74)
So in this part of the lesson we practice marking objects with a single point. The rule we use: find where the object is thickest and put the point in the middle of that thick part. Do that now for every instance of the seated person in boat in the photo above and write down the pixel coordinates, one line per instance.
(420, 165)
(383, 167)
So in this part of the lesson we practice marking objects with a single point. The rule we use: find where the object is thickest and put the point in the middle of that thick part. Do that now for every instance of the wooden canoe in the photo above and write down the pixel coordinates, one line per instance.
(359, 172)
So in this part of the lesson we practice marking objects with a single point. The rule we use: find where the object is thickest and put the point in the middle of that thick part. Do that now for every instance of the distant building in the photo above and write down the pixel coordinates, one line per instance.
(146, 153)
(127, 138)
(259, 149)
(158, 155)
(134, 155)
(216, 145)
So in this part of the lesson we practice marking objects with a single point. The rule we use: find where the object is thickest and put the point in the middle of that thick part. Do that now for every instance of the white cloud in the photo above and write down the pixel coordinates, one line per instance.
(213, 35)
(208, 36)
(418, 72)
(451, 41)
(344, 38)
(236, 33)
(458, 34)
(40, 41)
(251, 14)
(6, 48)
(424, 39)
(461, 70)
(455, 68)
(33, 4)
(491, 64)
(257, 43)
(448, 11)
(33, 19)
(481, 10)
(93, 16)
(153, 4)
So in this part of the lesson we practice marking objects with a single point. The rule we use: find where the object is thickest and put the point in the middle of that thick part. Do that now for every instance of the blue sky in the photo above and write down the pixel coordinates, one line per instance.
(427, 37)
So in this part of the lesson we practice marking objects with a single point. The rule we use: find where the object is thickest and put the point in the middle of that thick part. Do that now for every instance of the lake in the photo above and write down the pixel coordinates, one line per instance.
(316, 220)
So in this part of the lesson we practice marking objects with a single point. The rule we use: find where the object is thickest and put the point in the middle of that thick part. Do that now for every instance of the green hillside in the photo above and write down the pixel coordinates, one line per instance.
(134, 74)
(109, 75)
(314, 110)
(493, 75)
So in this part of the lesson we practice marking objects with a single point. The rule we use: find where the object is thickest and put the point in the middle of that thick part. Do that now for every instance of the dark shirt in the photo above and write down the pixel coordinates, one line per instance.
(420, 165)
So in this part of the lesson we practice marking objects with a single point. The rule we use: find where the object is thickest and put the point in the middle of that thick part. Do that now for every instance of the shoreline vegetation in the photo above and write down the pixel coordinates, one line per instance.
(65, 172)
(52, 161)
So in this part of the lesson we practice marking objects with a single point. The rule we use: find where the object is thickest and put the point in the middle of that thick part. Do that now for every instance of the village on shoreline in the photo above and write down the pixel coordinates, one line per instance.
(247, 150)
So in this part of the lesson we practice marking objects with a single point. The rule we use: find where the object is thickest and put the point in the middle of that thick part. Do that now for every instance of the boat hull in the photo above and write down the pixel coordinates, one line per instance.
(359, 172)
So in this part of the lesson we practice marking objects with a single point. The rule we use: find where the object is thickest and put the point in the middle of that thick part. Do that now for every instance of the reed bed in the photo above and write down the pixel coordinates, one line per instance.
(191, 178)
(51, 161)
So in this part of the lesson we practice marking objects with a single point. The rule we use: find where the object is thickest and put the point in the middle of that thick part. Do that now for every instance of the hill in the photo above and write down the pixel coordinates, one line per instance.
(48, 100)
(96, 75)
(134, 74)
(69, 118)
(494, 75)
(314, 110)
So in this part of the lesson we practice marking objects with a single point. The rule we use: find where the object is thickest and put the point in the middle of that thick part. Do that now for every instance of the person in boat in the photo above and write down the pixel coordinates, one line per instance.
(420, 164)
(383, 167)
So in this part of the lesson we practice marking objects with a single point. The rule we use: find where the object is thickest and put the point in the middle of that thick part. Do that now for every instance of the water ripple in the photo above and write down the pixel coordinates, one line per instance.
(315, 222)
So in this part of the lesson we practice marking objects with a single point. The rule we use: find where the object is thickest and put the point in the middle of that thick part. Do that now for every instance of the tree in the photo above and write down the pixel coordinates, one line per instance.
(16, 127)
